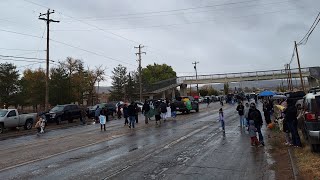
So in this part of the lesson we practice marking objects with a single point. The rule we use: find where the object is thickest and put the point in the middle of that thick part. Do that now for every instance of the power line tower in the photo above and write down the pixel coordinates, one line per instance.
(48, 21)
(140, 68)
(195, 68)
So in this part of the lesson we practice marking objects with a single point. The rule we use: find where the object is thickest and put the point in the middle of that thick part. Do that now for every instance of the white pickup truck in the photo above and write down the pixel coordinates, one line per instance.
(10, 118)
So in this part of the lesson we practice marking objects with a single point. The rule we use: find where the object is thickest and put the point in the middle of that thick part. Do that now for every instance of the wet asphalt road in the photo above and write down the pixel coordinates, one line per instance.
(188, 147)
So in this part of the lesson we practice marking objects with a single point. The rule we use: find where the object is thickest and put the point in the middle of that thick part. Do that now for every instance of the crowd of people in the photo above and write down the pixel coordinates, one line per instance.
(251, 119)
(160, 110)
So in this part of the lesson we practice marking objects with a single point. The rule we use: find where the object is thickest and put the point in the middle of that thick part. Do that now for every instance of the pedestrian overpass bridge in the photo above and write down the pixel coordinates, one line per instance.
(311, 73)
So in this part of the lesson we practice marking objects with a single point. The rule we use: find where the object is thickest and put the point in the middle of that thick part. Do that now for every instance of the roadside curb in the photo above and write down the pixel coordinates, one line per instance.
(293, 165)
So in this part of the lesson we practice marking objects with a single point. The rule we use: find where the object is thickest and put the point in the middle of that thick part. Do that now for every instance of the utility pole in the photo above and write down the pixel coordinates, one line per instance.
(48, 20)
(140, 68)
(195, 68)
(301, 79)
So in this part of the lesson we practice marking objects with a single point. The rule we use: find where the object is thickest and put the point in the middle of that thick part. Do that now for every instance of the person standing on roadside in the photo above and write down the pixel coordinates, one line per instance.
(208, 102)
(132, 114)
(291, 119)
(125, 114)
(266, 112)
(255, 115)
(240, 109)
(145, 111)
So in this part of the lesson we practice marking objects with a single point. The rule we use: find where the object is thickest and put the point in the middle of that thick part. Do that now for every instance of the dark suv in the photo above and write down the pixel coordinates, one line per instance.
(111, 109)
(65, 112)
(311, 124)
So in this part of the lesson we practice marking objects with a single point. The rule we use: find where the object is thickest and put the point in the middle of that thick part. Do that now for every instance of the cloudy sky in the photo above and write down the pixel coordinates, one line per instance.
(223, 35)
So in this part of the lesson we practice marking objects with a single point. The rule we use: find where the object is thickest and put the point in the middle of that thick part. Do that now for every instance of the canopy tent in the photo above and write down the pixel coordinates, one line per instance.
(279, 97)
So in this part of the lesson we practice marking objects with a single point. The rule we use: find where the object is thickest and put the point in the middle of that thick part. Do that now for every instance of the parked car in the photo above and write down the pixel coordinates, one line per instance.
(181, 105)
(110, 107)
(10, 118)
(201, 99)
(65, 112)
(311, 120)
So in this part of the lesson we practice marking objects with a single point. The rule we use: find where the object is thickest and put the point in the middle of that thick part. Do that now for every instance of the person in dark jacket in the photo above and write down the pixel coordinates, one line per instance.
(173, 109)
(145, 111)
(255, 115)
(137, 112)
(267, 112)
(125, 114)
(291, 120)
(163, 107)
(119, 112)
(132, 114)
(240, 109)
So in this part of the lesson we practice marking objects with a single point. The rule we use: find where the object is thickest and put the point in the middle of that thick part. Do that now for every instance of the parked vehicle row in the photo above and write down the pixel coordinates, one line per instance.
(10, 118)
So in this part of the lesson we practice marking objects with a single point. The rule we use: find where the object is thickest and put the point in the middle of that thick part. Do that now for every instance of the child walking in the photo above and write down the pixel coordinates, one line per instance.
(253, 134)
(221, 119)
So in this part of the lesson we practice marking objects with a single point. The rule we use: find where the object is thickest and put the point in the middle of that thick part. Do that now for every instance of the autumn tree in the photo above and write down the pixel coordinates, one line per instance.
(226, 88)
(157, 72)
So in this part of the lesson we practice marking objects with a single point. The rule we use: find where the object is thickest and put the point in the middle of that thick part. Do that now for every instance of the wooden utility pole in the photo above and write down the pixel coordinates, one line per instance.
(140, 68)
(195, 68)
(48, 20)
(301, 79)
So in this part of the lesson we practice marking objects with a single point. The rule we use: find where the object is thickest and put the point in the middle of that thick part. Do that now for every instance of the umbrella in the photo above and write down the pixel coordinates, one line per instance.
(279, 97)
(267, 93)
(281, 108)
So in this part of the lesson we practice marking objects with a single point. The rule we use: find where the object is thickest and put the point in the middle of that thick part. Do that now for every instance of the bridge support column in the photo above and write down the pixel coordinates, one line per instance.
(164, 94)
(151, 97)
(183, 89)
(173, 94)
(313, 82)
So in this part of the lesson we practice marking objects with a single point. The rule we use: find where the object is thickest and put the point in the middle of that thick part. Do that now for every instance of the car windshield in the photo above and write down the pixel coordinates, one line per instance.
(57, 108)
(3, 112)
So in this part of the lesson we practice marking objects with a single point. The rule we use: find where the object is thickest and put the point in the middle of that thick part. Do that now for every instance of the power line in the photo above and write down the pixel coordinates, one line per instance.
(19, 60)
(8, 49)
(75, 47)
(22, 57)
(192, 12)
(304, 40)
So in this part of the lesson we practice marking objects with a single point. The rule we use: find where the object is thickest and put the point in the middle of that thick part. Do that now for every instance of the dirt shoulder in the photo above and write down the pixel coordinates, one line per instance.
(306, 162)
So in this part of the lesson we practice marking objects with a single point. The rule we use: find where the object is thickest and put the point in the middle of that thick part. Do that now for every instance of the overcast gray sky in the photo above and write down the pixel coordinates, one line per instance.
(223, 35)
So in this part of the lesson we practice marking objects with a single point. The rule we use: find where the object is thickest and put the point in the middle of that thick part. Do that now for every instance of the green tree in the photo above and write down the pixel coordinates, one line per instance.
(131, 88)
(9, 83)
(57, 87)
(119, 81)
(203, 92)
(226, 88)
(212, 91)
(157, 72)
(33, 87)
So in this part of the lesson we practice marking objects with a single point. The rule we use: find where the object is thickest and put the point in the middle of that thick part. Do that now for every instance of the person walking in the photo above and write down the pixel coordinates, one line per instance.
(103, 119)
(292, 121)
(163, 107)
(97, 113)
(125, 114)
(208, 102)
(157, 112)
(255, 115)
(136, 112)
(221, 119)
(132, 114)
(119, 112)
(173, 109)
(253, 133)
(240, 109)
(145, 111)
(246, 114)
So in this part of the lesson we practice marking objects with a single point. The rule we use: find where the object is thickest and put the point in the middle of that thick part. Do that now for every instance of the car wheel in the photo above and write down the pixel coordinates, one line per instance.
(1, 128)
(28, 125)
(315, 147)
(188, 111)
(197, 110)
(58, 121)
(70, 120)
